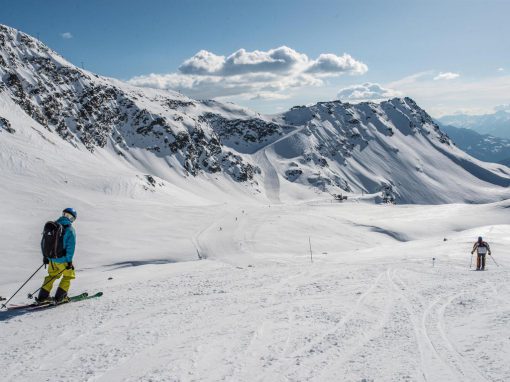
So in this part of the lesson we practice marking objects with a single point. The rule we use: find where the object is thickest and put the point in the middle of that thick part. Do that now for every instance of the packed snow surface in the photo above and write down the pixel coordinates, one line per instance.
(372, 306)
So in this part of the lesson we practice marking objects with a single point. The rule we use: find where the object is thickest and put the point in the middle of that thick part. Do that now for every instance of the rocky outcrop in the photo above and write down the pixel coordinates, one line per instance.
(92, 111)
(6, 125)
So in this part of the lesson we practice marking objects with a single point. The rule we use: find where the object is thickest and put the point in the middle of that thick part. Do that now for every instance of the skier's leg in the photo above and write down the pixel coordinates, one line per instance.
(54, 270)
(477, 262)
(483, 262)
(53, 275)
(65, 284)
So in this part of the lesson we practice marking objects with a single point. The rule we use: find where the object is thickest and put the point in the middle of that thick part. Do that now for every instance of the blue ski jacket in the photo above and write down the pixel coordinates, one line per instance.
(69, 241)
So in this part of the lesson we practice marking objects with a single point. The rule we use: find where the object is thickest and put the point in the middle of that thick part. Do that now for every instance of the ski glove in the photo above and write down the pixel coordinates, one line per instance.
(70, 266)
(46, 261)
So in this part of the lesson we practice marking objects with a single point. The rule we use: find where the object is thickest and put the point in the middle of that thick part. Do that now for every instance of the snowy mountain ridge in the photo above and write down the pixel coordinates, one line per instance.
(392, 149)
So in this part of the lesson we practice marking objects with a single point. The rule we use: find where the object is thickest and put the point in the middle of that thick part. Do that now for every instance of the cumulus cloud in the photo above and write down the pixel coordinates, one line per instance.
(254, 74)
(446, 76)
(279, 60)
(66, 35)
(332, 64)
(366, 92)
(203, 63)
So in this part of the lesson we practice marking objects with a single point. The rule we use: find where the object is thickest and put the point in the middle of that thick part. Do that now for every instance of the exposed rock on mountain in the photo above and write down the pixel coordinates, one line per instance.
(83, 108)
(392, 149)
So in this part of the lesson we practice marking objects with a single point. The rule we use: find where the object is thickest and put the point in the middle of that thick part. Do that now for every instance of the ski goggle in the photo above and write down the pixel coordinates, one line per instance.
(69, 216)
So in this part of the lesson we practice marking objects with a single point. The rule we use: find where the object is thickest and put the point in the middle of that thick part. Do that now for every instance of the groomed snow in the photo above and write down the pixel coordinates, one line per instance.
(370, 307)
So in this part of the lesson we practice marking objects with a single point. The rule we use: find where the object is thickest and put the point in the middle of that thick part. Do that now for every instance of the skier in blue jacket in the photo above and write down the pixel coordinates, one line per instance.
(61, 266)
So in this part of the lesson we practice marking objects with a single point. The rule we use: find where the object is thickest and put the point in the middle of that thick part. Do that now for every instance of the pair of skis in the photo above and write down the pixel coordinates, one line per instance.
(50, 303)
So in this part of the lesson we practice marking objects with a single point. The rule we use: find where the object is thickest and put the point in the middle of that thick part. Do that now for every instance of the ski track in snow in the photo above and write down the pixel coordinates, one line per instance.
(248, 327)
(271, 179)
(234, 317)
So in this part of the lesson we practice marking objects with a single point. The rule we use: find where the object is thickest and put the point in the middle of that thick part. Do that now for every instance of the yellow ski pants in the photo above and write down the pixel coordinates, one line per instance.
(55, 271)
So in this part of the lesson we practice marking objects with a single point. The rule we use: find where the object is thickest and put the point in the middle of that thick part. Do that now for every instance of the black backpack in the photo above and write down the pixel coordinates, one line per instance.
(52, 242)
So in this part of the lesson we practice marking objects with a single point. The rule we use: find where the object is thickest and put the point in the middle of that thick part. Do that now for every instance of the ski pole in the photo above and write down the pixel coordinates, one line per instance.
(494, 260)
(471, 263)
(33, 274)
(31, 295)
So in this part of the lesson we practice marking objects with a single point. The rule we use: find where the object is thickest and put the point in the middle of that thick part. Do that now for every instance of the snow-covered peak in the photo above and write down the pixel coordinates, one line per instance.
(19, 46)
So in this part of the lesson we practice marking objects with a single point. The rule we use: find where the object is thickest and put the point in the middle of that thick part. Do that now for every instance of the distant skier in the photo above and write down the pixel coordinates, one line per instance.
(482, 248)
(58, 245)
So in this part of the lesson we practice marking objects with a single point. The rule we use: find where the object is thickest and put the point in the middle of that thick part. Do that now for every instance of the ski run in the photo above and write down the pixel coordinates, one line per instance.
(371, 306)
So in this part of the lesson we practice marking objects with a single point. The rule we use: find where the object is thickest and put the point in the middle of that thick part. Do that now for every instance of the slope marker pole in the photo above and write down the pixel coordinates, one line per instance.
(311, 255)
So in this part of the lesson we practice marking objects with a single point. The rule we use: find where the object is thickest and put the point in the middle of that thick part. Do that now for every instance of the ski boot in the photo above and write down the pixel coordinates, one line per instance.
(44, 296)
(61, 296)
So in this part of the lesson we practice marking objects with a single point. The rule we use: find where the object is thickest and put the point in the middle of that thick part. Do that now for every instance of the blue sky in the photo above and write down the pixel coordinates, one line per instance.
(450, 56)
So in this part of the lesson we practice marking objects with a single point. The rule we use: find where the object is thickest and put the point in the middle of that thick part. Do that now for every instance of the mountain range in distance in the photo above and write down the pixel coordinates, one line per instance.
(496, 124)
(485, 147)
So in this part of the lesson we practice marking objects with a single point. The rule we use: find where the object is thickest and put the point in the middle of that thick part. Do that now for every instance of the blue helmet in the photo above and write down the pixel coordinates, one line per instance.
(70, 211)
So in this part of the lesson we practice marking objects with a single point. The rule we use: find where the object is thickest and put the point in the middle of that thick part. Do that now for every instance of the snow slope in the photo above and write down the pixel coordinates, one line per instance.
(370, 307)
(256, 308)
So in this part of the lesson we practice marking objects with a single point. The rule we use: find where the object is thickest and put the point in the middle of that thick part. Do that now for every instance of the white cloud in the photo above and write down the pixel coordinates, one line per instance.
(268, 96)
(332, 64)
(279, 60)
(248, 85)
(203, 62)
(501, 69)
(366, 92)
(256, 74)
(66, 35)
(409, 80)
(446, 76)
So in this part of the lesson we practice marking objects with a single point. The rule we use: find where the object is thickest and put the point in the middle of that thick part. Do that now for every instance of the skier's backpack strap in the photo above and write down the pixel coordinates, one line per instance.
(61, 251)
